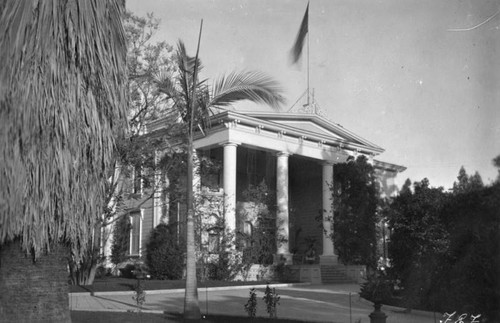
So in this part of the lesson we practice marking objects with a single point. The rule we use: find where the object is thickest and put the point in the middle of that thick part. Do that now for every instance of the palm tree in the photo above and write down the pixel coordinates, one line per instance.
(62, 99)
(194, 100)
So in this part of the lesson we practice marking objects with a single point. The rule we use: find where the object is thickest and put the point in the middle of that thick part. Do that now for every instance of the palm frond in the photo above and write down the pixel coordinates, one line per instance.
(253, 86)
(186, 62)
(165, 83)
(62, 99)
(184, 80)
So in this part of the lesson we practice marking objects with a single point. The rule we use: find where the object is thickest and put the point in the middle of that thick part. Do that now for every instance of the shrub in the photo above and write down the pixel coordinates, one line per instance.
(283, 273)
(272, 300)
(226, 265)
(121, 236)
(136, 269)
(139, 294)
(251, 305)
(101, 272)
(377, 289)
(164, 256)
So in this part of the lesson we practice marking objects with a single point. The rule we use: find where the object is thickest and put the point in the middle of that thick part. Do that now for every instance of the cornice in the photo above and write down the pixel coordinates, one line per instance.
(232, 118)
(388, 166)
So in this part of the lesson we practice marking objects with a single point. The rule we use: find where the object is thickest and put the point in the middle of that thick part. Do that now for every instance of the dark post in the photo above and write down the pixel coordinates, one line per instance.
(378, 316)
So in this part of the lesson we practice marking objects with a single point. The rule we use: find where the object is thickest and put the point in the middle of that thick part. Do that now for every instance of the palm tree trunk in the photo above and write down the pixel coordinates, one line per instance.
(33, 291)
(191, 304)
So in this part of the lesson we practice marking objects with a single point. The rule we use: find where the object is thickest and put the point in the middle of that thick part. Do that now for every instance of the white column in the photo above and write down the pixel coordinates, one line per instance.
(328, 256)
(157, 187)
(282, 203)
(230, 185)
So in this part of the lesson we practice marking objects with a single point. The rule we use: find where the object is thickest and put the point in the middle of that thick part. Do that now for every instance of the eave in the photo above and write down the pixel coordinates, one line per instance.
(253, 120)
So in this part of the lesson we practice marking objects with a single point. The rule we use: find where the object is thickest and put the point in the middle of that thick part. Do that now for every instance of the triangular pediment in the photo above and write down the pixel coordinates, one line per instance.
(312, 125)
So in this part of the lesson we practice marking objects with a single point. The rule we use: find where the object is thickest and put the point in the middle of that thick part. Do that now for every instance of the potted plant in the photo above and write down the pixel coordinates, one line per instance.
(377, 289)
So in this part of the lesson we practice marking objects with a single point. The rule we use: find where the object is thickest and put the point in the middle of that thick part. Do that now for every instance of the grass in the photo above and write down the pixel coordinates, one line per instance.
(129, 317)
(114, 284)
(126, 284)
(122, 317)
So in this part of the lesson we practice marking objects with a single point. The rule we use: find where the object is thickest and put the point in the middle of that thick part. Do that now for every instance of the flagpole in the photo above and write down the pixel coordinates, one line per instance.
(308, 32)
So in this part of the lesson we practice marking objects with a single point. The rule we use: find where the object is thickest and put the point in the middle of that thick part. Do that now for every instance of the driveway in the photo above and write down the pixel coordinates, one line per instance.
(311, 303)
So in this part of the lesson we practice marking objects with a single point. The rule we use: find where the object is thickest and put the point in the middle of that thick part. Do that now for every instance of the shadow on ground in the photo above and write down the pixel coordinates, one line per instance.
(129, 317)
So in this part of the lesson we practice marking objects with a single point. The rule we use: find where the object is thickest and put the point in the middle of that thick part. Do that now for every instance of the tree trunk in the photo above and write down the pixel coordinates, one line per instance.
(191, 303)
(84, 272)
(33, 291)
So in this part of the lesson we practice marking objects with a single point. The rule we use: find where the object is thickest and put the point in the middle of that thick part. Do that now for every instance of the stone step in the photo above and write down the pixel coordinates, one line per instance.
(334, 275)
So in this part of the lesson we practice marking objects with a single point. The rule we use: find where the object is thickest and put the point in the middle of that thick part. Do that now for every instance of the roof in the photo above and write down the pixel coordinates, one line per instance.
(313, 124)
(304, 134)
(310, 127)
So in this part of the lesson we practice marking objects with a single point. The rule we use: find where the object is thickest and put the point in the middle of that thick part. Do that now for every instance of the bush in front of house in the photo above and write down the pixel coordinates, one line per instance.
(378, 288)
(164, 256)
(121, 237)
(226, 268)
(134, 269)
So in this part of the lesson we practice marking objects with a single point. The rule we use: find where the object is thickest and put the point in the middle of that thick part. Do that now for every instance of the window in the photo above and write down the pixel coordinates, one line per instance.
(214, 238)
(135, 233)
(137, 189)
(213, 241)
(248, 234)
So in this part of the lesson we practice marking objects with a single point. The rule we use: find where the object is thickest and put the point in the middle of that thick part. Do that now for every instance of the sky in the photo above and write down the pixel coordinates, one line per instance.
(420, 78)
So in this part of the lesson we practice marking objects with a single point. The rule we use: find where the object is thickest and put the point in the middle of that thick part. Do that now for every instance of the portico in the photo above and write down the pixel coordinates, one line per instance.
(283, 137)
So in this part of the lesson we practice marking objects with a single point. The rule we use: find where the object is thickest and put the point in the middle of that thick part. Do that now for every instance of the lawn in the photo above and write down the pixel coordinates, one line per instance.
(113, 284)
(130, 317)
(125, 284)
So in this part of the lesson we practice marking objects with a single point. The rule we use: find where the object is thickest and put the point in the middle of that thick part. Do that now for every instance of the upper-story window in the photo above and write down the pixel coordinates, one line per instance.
(137, 180)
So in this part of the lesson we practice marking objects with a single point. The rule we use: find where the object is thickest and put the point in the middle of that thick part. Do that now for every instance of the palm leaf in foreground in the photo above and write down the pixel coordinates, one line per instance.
(62, 98)
(62, 95)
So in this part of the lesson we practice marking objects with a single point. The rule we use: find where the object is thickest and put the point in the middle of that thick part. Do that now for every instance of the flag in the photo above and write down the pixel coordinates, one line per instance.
(296, 51)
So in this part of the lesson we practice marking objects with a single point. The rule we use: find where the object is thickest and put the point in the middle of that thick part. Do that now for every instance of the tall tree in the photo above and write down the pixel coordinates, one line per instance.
(406, 188)
(444, 247)
(467, 183)
(463, 181)
(146, 58)
(62, 95)
(467, 275)
(496, 163)
(476, 182)
(355, 218)
(194, 100)
(133, 151)
(419, 238)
